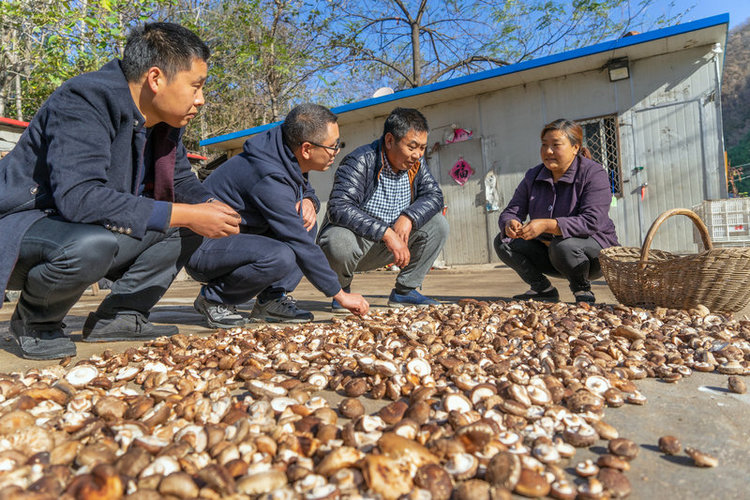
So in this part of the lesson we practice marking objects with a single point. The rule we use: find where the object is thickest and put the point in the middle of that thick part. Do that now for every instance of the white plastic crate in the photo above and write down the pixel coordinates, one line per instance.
(731, 244)
(728, 221)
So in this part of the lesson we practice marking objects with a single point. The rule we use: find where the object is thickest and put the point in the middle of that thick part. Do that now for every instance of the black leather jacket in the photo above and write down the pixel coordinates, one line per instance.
(355, 182)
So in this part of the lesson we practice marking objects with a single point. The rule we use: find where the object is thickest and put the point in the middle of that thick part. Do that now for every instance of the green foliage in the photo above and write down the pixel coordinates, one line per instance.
(268, 55)
(51, 41)
(735, 94)
(740, 154)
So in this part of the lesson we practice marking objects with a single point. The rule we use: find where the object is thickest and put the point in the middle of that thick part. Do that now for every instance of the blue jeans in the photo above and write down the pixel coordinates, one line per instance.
(58, 260)
(575, 259)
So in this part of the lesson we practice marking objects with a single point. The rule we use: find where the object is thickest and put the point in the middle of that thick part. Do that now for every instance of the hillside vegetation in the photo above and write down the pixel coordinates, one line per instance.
(735, 100)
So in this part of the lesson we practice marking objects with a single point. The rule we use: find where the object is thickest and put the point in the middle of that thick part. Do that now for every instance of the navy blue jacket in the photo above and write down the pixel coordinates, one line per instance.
(355, 182)
(80, 158)
(263, 184)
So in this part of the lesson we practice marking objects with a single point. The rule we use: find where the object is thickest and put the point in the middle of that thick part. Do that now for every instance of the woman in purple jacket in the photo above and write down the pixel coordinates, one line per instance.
(566, 199)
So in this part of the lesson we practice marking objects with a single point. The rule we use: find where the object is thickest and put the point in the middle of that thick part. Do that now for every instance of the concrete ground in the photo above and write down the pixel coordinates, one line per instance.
(698, 409)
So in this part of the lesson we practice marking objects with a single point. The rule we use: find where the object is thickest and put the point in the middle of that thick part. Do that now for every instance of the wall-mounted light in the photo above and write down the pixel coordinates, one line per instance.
(618, 69)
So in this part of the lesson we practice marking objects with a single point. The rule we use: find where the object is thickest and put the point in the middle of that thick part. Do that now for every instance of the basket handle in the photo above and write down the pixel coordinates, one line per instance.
(666, 215)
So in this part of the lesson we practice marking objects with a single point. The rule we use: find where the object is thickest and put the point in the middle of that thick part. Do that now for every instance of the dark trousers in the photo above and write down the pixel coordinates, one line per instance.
(237, 268)
(575, 259)
(58, 260)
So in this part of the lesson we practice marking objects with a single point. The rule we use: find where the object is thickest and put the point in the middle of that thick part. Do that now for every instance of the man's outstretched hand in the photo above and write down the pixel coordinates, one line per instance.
(353, 301)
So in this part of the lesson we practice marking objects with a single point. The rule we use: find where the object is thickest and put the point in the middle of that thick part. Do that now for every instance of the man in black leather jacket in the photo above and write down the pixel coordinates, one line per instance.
(385, 207)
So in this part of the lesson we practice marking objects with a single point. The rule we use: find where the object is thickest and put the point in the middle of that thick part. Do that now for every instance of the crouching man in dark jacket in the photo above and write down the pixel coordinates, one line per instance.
(99, 185)
(276, 244)
(385, 207)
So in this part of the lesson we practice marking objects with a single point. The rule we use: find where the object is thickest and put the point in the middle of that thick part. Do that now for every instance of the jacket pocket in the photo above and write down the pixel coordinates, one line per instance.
(22, 199)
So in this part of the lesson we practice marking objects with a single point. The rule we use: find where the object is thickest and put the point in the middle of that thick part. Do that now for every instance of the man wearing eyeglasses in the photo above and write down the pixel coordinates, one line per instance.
(385, 207)
(267, 186)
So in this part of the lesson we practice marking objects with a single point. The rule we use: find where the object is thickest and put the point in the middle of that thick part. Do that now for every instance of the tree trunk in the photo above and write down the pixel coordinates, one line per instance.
(416, 56)
(274, 108)
(120, 45)
(19, 102)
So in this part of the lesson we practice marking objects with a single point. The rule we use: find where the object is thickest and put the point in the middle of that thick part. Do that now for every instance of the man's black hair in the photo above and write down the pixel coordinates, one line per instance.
(168, 46)
(402, 120)
(306, 123)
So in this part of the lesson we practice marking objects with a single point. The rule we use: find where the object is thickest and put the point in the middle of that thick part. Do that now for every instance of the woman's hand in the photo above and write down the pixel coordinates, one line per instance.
(512, 228)
(536, 227)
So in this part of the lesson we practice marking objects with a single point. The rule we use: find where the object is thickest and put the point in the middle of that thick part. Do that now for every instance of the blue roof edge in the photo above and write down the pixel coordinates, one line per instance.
(239, 133)
(505, 70)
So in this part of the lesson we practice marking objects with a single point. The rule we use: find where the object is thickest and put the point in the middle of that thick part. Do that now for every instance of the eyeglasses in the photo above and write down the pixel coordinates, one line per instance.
(335, 148)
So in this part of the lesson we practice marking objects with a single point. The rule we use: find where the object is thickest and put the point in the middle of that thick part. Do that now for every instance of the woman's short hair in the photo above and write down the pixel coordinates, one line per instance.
(168, 46)
(572, 131)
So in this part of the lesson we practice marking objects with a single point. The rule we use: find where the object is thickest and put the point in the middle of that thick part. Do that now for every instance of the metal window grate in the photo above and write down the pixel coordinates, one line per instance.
(600, 135)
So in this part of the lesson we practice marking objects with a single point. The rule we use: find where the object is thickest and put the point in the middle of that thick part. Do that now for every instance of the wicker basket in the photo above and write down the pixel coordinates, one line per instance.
(718, 278)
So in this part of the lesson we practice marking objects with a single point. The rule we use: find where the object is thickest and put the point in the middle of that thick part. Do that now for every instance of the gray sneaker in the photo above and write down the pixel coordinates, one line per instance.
(123, 327)
(219, 315)
(41, 343)
(281, 310)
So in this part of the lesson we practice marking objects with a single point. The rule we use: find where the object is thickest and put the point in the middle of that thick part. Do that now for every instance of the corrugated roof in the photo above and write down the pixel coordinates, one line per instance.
(609, 49)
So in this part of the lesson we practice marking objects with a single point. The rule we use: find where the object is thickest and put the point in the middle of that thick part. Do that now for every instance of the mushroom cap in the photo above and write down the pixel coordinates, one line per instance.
(532, 484)
(405, 450)
(615, 482)
(385, 477)
(473, 489)
(436, 480)
(261, 482)
(670, 445)
(340, 458)
(504, 469)
(624, 448)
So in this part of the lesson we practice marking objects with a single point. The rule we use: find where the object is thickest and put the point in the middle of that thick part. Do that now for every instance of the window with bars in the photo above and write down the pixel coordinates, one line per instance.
(600, 135)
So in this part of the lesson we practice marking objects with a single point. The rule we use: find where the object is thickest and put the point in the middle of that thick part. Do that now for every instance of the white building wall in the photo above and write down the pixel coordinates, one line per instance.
(668, 116)
(673, 133)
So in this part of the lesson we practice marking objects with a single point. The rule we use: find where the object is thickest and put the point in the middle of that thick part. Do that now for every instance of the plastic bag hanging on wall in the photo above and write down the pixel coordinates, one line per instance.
(490, 193)
(461, 171)
(458, 134)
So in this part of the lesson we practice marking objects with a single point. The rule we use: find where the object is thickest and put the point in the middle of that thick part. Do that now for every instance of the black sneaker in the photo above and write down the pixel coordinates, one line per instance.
(548, 296)
(281, 310)
(123, 327)
(219, 315)
(585, 296)
(41, 343)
